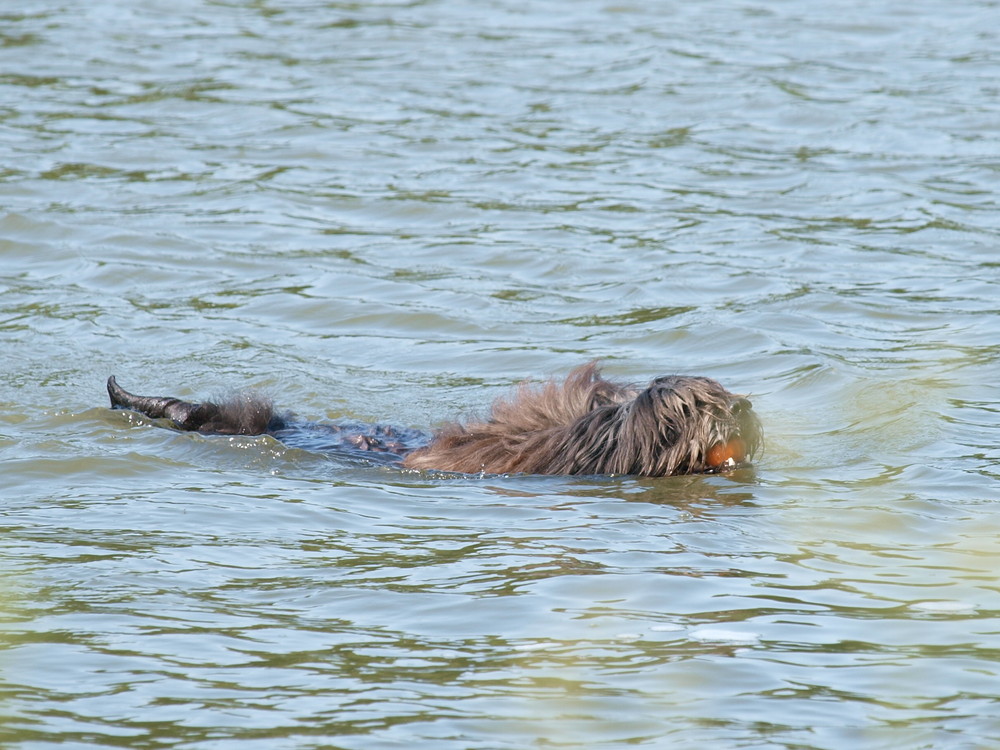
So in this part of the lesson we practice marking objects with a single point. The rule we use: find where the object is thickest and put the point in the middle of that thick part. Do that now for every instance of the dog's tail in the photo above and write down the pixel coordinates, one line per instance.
(245, 413)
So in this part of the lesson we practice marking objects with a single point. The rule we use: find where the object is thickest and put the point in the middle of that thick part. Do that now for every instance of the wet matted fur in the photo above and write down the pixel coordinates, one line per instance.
(584, 424)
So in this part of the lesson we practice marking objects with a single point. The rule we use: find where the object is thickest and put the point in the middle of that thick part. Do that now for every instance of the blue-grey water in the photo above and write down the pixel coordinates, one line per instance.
(398, 210)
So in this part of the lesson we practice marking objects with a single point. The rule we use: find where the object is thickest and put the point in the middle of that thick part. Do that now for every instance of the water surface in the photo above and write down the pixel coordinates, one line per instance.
(398, 210)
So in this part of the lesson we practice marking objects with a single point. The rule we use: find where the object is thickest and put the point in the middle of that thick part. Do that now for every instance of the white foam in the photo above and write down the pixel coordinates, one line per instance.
(629, 636)
(721, 635)
(531, 646)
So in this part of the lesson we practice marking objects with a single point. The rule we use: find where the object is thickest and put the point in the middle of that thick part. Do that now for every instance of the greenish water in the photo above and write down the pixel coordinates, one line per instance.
(396, 211)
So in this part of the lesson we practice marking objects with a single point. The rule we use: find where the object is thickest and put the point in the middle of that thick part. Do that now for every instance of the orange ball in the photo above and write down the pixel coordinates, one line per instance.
(719, 453)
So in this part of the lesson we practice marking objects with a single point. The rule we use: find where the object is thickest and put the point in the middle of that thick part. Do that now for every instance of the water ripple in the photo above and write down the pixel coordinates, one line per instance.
(397, 210)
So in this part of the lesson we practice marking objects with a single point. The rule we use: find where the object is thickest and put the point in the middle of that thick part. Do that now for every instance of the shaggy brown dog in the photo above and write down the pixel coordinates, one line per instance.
(584, 425)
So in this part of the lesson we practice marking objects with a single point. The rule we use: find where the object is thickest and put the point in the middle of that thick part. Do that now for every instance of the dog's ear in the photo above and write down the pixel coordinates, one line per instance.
(643, 436)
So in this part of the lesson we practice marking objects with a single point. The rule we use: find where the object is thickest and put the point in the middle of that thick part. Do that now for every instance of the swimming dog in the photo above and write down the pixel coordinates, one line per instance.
(584, 424)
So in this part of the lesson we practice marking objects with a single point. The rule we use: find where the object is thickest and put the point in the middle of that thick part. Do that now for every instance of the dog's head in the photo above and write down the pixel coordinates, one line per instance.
(687, 425)
(676, 425)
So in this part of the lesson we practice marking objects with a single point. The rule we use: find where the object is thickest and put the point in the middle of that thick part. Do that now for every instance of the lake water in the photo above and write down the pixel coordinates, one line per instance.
(398, 210)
